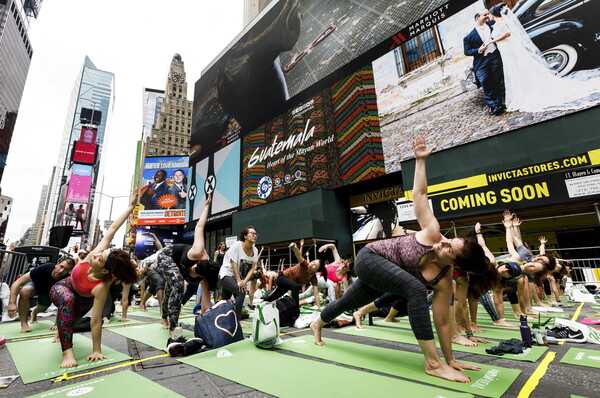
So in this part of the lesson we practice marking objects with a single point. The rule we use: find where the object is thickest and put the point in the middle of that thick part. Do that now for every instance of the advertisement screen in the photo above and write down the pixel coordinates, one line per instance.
(75, 214)
(219, 175)
(82, 169)
(78, 189)
(331, 140)
(443, 84)
(164, 190)
(88, 135)
(559, 181)
(294, 51)
(144, 242)
(84, 152)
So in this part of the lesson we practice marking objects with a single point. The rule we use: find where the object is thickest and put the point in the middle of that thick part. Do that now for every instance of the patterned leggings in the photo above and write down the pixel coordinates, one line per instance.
(71, 308)
(174, 287)
(377, 275)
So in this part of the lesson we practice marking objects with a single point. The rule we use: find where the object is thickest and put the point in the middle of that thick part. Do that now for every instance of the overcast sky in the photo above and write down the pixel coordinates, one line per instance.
(133, 39)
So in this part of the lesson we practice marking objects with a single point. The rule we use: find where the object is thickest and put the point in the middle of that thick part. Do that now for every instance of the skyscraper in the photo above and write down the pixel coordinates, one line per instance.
(170, 133)
(15, 57)
(79, 164)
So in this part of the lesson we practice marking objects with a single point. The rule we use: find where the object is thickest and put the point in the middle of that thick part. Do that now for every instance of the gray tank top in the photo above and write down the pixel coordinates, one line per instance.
(406, 252)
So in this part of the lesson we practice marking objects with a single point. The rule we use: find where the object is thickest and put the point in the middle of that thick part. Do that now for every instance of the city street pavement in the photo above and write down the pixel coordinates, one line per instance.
(560, 380)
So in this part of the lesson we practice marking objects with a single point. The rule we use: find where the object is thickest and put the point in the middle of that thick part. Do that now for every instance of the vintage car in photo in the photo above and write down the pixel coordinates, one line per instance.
(566, 31)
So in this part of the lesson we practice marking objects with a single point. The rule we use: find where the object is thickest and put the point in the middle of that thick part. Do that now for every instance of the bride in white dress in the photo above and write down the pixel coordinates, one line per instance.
(531, 84)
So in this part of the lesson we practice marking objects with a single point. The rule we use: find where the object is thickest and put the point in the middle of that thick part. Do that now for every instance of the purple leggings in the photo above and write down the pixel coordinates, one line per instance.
(71, 308)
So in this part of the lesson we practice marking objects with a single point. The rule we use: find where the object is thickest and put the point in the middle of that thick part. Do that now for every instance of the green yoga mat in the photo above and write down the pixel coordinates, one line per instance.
(12, 330)
(407, 336)
(152, 334)
(287, 376)
(498, 334)
(115, 323)
(490, 381)
(155, 314)
(40, 359)
(125, 383)
(582, 357)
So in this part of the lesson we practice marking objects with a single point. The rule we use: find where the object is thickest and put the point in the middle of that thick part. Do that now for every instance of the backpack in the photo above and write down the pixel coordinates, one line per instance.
(218, 326)
(289, 311)
(265, 325)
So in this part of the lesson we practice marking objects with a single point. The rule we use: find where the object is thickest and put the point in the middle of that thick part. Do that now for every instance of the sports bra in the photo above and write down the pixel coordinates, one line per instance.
(81, 281)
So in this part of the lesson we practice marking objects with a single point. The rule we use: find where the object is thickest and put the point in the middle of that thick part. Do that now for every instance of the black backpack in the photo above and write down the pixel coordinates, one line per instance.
(289, 311)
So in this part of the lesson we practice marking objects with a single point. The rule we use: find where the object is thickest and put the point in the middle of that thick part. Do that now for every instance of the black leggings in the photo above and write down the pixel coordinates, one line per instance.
(283, 285)
(511, 292)
(231, 287)
(377, 275)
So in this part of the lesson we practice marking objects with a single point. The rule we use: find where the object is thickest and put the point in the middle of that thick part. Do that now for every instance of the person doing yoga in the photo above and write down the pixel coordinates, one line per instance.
(87, 288)
(406, 266)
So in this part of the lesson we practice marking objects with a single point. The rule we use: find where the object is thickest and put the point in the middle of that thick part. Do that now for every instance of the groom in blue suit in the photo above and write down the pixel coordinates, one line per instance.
(487, 63)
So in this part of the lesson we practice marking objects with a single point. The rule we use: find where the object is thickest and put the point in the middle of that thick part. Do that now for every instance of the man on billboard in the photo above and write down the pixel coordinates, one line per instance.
(487, 63)
(151, 196)
(178, 189)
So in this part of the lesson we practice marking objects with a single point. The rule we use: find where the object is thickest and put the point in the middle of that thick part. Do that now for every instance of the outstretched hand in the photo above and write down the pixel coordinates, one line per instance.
(507, 218)
(420, 148)
(542, 240)
(516, 221)
(134, 199)
(293, 245)
(208, 200)
(478, 228)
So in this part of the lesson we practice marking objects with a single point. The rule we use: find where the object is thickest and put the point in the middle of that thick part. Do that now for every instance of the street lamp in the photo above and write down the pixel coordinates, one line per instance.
(112, 198)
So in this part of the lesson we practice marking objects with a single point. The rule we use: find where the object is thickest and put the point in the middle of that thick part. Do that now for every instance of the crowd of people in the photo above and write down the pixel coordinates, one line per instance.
(397, 276)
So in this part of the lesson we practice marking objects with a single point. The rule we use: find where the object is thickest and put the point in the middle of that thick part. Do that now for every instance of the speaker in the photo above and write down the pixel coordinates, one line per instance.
(60, 235)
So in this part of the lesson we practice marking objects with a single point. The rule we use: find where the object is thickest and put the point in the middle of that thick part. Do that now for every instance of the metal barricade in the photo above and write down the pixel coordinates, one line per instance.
(12, 266)
(586, 270)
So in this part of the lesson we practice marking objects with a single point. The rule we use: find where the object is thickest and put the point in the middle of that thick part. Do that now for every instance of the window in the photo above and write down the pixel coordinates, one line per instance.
(421, 50)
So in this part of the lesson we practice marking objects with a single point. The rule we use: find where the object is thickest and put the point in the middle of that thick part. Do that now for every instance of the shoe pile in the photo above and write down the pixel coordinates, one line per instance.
(565, 333)
(182, 347)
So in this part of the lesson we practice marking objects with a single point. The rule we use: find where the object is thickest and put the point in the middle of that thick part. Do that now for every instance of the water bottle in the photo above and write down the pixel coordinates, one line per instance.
(177, 332)
(525, 331)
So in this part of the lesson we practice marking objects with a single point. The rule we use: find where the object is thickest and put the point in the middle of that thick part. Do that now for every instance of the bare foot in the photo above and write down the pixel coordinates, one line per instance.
(33, 317)
(68, 359)
(357, 320)
(317, 326)
(391, 320)
(444, 371)
(105, 320)
(503, 322)
(476, 329)
(53, 327)
(462, 340)
(165, 324)
(56, 339)
(143, 308)
(25, 328)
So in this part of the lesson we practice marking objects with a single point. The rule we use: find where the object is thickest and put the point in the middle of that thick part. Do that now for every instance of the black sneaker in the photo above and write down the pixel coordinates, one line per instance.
(565, 334)
(193, 346)
(180, 339)
(176, 349)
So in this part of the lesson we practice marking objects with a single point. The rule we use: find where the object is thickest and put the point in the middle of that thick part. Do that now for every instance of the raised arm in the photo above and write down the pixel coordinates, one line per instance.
(481, 241)
(198, 251)
(542, 247)
(336, 255)
(296, 251)
(507, 221)
(430, 228)
(105, 242)
(516, 231)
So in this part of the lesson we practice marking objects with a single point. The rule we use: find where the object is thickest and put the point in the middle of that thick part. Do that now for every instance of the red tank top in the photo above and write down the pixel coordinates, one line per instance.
(81, 280)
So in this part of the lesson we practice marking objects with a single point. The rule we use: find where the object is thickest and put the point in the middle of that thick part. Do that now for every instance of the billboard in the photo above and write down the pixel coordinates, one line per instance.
(144, 243)
(558, 181)
(84, 152)
(164, 191)
(425, 59)
(82, 169)
(429, 85)
(75, 214)
(79, 187)
(88, 135)
(330, 140)
(294, 51)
